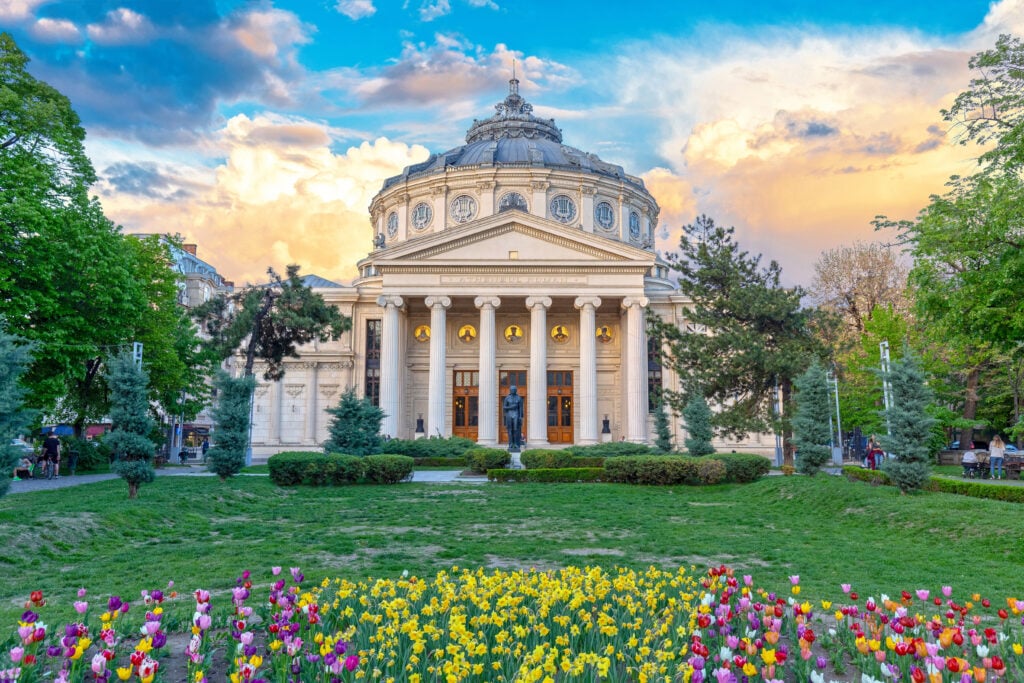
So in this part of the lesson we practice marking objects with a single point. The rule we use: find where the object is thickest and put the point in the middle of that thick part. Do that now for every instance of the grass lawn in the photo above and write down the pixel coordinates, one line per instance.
(201, 532)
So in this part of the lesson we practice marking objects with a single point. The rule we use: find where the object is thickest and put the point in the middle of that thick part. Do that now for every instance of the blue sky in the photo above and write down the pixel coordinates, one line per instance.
(261, 129)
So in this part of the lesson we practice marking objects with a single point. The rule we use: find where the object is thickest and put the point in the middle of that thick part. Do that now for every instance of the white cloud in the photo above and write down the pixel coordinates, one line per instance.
(55, 31)
(18, 10)
(356, 9)
(121, 26)
(272, 34)
(433, 9)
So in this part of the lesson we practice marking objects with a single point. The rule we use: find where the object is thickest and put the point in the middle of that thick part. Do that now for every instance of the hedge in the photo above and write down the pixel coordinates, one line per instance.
(562, 475)
(610, 449)
(665, 470)
(481, 460)
(454, 447)
(743, 468)
(335, 469)
(454, 461)
(973, 489)
(539, 458)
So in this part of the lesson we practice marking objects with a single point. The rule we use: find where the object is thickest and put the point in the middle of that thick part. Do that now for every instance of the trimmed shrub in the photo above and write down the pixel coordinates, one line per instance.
(482, 459)
(562, 475)
(540, 458)
(710, 471)
(387, 468)
(664, 470)
(974, 489)
(610, 449)
(743, 468)
(454, 447)
(439, 462)
(315, 469)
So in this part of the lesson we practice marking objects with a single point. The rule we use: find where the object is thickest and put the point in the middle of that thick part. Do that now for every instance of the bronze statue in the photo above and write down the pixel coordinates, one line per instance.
(512, 409)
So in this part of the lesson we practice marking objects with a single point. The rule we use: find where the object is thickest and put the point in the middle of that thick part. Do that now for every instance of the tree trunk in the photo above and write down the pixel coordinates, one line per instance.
(133, 490)
(787, 429)
(970, 407)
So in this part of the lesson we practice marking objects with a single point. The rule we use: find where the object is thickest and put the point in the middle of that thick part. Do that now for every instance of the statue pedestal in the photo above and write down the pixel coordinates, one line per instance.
(515, 463)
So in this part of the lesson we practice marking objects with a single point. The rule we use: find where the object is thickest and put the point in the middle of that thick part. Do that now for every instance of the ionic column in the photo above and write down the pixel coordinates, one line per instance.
(312, 409)
(438, 306)
(636, 378)
(587, 383)
(487, 426)
(278, 409)
(537, 391)
(390, 355)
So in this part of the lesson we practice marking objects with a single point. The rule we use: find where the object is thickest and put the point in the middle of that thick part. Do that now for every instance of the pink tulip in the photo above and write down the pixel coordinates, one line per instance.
(99, 663)
(795, 579)
(81, 606)
(204, 621)
(922, 594)
(947, 591)
(81, 592)
(845, 587)
(16, 654)
(275, 570)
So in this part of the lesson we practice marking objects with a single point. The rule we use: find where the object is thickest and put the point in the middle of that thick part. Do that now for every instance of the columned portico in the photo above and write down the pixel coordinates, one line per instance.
(390, 358)
(538, 379)
(488, 425)
(636, 377)
(438, 305)
(587, 400)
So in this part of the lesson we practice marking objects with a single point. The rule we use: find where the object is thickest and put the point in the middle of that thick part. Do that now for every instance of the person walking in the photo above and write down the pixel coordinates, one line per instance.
(874, 453)
(51, 451)
(996, 453)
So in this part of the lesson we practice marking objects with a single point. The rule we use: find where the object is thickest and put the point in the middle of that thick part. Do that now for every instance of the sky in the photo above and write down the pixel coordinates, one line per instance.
(261, 129)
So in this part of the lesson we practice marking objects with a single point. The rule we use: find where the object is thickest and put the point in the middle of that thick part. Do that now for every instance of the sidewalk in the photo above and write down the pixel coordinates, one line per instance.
(29, 485)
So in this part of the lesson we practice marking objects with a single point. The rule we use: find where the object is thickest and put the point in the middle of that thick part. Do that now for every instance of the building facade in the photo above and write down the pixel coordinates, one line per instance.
(512, 260)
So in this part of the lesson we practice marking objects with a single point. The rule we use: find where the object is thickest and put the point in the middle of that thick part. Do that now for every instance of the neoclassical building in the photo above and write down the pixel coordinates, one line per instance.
(511, 260)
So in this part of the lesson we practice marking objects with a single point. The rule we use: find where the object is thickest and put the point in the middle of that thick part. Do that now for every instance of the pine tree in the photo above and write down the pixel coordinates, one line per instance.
(226, 457)
(811, 430)
(697, 417)
(909, 425)
(129, 412)
(355, 427)
(663, 442)
(15, 358)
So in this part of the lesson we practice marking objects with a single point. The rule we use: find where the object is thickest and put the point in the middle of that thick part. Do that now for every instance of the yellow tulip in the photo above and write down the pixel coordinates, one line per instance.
(124, 672)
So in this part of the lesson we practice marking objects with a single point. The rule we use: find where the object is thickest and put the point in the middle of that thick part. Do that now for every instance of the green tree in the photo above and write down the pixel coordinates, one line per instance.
(662, 428)
(129, 412)
(15, 357)
(355, 426)
(697, 418)
(811, 432)
(230, 424)
(750, 331)
(909, 423)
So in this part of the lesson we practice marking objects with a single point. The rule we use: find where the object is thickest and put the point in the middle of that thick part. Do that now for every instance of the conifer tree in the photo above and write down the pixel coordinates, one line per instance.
(909, 425)
(129, 412)
(355, 427)
(697, 416)
(663, 441)
(811, 430)
(15, 357)
(226, 457)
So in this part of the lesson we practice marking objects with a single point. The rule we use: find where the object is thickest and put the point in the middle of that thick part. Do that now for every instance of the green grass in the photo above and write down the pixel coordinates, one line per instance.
(201, 532)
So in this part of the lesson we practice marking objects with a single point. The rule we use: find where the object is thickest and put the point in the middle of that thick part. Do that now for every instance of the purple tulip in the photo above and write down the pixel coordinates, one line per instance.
(114, 603)
(351, 662)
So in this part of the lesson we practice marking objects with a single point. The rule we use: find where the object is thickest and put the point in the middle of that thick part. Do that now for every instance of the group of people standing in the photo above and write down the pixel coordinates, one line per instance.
(48, 461)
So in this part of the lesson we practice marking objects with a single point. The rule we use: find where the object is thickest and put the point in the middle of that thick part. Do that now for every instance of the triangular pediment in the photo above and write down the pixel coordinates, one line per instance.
(526, 239)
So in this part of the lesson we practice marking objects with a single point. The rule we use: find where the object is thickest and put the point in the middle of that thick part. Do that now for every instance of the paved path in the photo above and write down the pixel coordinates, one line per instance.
(29, 485)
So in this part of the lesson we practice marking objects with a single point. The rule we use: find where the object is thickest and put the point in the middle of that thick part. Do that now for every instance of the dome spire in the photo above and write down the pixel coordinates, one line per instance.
(513, 118)
(513, 84)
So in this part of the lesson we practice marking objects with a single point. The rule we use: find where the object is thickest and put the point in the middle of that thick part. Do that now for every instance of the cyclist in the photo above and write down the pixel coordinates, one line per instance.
(51, 456)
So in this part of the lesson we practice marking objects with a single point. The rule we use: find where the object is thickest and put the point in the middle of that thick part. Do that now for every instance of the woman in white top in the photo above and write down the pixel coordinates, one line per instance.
(996, 452)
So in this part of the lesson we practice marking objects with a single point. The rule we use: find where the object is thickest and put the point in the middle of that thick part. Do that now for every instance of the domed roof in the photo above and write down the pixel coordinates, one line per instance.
(514, 137)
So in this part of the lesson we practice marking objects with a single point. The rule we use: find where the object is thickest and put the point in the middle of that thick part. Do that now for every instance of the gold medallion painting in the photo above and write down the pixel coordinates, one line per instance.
(560, 334)
(467, 333)
(422, 333)
(513, 334)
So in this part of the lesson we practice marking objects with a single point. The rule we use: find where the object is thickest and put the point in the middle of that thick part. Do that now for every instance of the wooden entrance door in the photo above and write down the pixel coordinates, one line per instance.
(466, 404)
(506, 379)
(560, 406)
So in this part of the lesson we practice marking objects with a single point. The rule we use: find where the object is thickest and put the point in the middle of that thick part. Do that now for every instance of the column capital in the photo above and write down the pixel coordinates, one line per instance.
(438, 301)
(534, 301)
(482, 301)
(583, 301)
(385, 300)
(630, 301)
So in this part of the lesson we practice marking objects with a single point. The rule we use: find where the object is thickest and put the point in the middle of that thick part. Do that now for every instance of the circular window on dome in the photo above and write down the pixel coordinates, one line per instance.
(392, 224)
(512, 200)
(563, 209)
(463, 208)
(421, 215)
(634, 225)
(604, 215)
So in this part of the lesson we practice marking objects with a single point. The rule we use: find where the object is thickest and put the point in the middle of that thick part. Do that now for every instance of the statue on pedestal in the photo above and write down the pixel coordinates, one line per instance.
(512, 410)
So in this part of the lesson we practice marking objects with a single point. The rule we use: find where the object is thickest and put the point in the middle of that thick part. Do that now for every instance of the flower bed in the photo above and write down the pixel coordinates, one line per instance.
(576, 624)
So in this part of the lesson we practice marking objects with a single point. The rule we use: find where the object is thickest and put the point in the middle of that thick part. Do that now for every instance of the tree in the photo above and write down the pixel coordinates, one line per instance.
(909, 424)
(749, 332)
(854, 281)
(269, 322)
(129, 412)
(663, 441)
(15, 357)
(697, 417)
(355, 426)
(230, 424)
(811, 432)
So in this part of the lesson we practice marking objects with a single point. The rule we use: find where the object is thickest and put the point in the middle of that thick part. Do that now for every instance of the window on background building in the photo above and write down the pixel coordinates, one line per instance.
(653, 373)
(372, 388)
